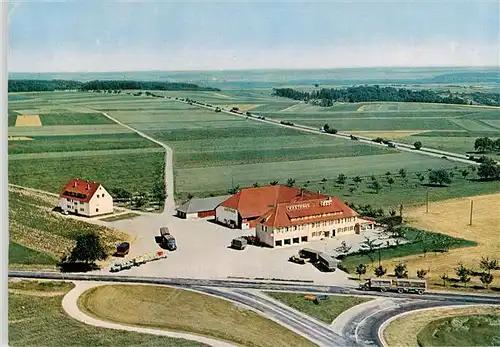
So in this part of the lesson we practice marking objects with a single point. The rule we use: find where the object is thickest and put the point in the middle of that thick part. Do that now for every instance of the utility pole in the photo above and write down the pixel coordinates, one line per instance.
(427, 201)
(471, 209)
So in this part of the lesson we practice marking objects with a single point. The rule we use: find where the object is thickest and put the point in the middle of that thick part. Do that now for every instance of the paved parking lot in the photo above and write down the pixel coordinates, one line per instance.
(203, 252)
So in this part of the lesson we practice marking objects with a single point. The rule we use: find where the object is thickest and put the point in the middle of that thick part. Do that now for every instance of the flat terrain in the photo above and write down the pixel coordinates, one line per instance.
(187, 311)
(403, 331)
(36, 317)
(39, 237)
(326, 311)
(451, 217)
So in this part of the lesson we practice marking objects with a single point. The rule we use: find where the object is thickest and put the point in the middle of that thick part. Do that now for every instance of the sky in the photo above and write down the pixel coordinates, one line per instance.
(77, 36)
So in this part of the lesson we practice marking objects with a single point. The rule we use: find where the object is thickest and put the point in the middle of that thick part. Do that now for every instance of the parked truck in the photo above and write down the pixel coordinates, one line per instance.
(122, 249)
(400, 285)
(167, 240)
(239, 243)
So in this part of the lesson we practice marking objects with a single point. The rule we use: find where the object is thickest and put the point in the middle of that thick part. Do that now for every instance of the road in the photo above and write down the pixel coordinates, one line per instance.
(399, 146)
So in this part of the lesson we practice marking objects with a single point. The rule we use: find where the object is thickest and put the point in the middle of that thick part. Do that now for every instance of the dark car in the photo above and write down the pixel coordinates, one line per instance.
(122, 249)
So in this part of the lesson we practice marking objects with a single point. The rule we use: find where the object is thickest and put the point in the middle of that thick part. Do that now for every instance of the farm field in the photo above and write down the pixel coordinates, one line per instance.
(326, 311)
(451, 217)
(39, 237)
(36, 314)
(416, 329)
(131, 171)
(194, 313)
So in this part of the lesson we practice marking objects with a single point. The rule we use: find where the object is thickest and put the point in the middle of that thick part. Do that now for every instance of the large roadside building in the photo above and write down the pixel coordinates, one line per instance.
(285, 216)
(85, 198)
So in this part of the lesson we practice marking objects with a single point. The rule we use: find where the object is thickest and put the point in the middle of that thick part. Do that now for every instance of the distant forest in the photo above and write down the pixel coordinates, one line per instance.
(326, 97)
(52, 85)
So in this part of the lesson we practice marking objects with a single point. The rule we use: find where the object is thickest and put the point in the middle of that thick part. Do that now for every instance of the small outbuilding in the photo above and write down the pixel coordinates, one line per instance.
(200, 207)
(85, 198)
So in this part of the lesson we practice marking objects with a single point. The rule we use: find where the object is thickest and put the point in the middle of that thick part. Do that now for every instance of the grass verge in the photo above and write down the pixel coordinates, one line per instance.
(120, 217)
(181, 310)
(36, 318)
(326, 311)
(403, 331)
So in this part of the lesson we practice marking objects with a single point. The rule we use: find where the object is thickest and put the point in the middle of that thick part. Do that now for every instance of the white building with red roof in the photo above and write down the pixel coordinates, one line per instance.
(297, 222)
(85, 198)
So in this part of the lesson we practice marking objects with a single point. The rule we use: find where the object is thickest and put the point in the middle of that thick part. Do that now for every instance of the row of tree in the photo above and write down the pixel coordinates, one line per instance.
(485, 144)
(97, 85)
(326, 97)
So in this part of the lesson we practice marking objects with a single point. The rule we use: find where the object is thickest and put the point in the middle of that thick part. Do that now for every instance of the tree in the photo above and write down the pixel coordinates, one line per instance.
(341, 179)
(488, 169)
(421, 273)
(496, 144)
(380, 271)
(373, 178)
(464, 173)
(483, 144)
(360, 270)
(158, 191)
(488, 264)
(402, 173)
(463, 274)
(343, 248)
(439, 176)
(400, 271)
(486, 278)
(357, 180)
(390, 181)
(352, 190)
(326, 127)
(273, 183)
(88, 249)
(375, 186)
(445, 278)
(290, 182)
(392, 213)
(417, 145)
(256, 184)
(388, 174)
(234, 190)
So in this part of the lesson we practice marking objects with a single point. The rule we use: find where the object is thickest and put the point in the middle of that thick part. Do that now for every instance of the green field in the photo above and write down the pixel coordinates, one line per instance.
(326, 311)
(67, 143)
(19, 254)
(133, 172)
(36, 318)
(473, 330)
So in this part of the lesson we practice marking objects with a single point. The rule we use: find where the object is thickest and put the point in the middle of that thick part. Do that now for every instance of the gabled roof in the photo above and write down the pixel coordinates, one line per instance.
(200, 205)
(307, 211)
(255, 201)
(80, 190)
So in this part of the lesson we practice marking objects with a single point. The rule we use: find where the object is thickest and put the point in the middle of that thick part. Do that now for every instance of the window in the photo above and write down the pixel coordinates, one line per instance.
(103, 195)
(295, 228)
(82, 209)
(277, 243)
(68, 199)
(97, 210)
(351, 228)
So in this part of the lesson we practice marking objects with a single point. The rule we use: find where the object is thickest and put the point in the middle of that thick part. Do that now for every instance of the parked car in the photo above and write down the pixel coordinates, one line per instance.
(239, 243)
(297, 260)
(115, 267)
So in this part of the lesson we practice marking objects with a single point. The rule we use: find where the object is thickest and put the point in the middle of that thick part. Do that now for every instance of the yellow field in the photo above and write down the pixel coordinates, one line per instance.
(403, 331)
(362, 108)
(19, 138)
(452, 217)
(387, 134)
(28, 121)
(221, 95)
(291, 108)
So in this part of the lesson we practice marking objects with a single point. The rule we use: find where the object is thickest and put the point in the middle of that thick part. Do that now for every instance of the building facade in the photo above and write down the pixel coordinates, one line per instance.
(298, 222)
(200, 207)
(85, 198)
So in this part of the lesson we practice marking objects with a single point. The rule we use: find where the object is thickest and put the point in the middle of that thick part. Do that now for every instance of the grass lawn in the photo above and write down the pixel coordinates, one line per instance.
(182, 310)
(133, 172)
(42, 144)
(39, 236)
(19, 254)
(468, 326)
(418, 241)
(36, 318)
(477, 330)
(326, 311)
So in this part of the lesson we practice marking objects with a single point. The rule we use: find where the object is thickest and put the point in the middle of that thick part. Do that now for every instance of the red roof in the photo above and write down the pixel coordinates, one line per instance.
(315, 210)
(80, 190)
(254, 202)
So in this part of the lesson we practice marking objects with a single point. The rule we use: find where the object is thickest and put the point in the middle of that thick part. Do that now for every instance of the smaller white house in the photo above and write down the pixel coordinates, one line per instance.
(85, 198)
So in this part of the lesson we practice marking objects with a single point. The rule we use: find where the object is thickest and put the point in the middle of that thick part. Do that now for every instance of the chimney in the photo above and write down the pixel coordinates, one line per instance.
(301, 192)
(74, 183)
(88, 186)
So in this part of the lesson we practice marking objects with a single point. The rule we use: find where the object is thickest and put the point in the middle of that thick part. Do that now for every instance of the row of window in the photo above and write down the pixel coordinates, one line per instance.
(314, 225)
(81, 202)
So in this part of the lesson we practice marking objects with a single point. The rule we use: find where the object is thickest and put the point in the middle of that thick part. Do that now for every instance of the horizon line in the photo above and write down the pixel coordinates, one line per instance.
(267, 69)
